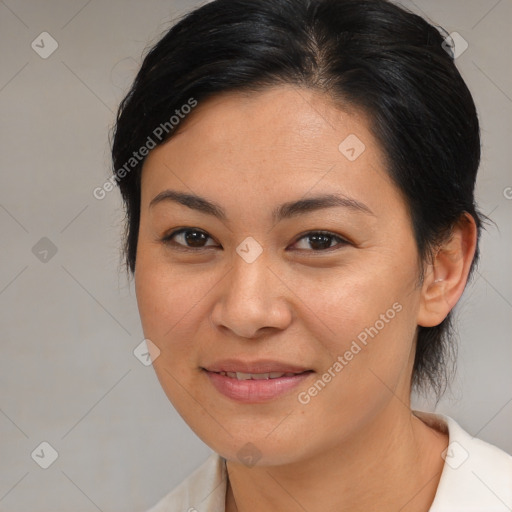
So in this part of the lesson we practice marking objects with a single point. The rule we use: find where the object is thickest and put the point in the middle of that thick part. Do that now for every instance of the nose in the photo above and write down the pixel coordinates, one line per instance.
(252, 299)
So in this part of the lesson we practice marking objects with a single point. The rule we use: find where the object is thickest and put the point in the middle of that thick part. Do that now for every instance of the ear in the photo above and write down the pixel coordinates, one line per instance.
(446, 276)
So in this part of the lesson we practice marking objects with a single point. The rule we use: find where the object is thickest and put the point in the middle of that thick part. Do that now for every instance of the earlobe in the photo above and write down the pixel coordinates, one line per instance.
(446, 276)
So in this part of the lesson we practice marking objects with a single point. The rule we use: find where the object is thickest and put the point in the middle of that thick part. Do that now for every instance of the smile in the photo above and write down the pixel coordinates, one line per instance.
(254, 385)
(256, 376)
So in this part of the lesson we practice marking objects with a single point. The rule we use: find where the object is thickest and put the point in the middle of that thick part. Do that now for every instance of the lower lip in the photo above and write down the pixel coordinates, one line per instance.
(254, 391)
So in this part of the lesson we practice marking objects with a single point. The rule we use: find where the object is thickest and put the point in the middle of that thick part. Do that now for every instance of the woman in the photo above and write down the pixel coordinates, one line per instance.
(298, 177)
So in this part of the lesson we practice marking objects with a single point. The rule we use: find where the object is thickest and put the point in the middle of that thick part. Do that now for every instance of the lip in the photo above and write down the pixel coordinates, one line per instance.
(259, 366)
(254, 391)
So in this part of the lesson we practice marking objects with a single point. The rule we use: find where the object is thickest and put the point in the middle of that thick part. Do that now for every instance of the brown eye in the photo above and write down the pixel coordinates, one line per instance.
(320, 241)
(188, 238)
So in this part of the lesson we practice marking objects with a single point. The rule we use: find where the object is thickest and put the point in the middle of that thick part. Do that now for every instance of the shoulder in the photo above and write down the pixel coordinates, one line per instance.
(204, 489)
(476, 477)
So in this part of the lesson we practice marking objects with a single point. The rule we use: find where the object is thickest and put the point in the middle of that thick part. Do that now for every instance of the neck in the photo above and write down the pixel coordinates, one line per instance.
(392, 464)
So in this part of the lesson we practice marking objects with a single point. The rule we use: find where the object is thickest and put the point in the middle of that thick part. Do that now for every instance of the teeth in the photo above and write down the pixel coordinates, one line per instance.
(256, 376)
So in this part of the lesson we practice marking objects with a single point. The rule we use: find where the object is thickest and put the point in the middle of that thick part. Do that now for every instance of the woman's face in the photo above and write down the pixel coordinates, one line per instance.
(245, 283)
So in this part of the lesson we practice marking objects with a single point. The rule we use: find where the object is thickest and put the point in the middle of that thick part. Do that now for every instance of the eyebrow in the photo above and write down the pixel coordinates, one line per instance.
(285, 211)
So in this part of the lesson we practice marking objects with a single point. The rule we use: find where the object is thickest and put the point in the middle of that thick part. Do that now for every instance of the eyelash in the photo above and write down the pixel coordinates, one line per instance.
(168, 240)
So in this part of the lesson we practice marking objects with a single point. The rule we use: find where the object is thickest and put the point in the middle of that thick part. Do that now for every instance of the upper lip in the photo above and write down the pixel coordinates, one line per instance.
(259, 366)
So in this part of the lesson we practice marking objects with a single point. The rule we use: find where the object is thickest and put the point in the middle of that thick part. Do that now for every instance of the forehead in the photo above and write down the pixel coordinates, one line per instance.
(275, 120)
(282, 141)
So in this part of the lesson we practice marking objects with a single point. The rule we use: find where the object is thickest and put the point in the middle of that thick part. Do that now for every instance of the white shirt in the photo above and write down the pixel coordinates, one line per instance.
(476, 477)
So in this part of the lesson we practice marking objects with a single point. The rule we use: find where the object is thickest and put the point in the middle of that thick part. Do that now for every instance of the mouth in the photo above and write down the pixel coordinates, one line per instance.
(256, 382)
(259, 376)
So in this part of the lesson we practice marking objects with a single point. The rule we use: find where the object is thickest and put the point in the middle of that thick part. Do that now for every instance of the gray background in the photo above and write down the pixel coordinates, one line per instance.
(69, 325)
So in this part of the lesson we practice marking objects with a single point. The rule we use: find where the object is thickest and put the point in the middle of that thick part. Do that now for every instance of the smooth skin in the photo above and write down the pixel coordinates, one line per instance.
(356, 446)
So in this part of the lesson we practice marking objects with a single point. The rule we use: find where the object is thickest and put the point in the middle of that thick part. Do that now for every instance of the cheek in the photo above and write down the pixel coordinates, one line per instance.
(169, 297)
(353, 300)
(365, 354)
(170, 301)
(367, 317)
